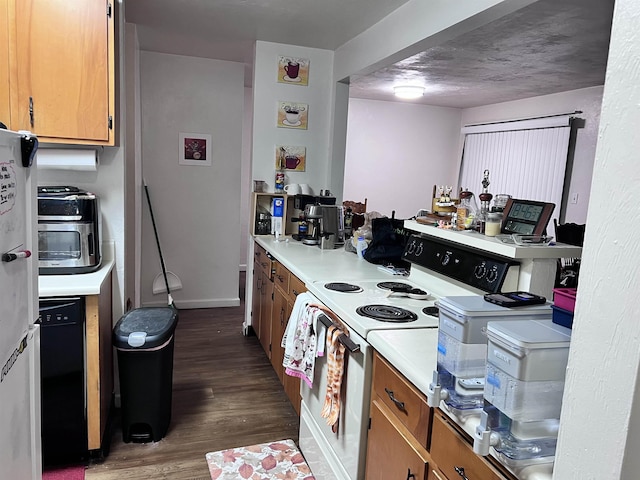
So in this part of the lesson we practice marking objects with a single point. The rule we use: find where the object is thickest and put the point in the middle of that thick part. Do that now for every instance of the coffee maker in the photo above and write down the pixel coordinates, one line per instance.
(331, 227)
(313, 216)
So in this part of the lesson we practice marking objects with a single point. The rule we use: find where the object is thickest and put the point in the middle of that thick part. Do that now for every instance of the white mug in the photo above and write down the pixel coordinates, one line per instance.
(305, 189)
(292, 189)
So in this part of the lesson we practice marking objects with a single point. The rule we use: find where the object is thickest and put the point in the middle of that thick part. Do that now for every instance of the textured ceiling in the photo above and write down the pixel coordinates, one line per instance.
(547, 47)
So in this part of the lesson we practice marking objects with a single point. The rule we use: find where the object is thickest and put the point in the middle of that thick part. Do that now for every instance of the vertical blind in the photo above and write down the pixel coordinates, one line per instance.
(526, 158)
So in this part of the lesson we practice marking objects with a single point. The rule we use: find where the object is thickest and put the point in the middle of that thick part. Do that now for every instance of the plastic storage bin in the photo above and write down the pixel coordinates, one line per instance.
(562, 317)
(144, 340)
(565, 298)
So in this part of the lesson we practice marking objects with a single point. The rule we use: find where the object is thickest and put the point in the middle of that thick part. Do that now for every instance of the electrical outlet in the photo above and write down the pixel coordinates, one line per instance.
(574, 198)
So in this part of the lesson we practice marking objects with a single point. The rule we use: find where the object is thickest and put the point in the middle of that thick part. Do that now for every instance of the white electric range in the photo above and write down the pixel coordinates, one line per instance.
(438, 269)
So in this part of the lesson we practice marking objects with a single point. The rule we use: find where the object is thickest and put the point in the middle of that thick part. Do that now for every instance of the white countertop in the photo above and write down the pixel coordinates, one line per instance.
(81, 283)
(414, 353)
(492, 245)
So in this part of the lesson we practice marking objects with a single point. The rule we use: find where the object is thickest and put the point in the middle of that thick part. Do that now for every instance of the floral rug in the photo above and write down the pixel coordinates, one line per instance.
(266, 461)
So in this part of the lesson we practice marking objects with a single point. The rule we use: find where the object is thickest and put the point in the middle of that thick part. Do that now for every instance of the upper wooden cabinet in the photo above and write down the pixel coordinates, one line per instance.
(62, 69)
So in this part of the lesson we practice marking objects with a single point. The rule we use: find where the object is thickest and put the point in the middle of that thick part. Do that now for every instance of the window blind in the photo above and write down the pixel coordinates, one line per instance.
(526, 159)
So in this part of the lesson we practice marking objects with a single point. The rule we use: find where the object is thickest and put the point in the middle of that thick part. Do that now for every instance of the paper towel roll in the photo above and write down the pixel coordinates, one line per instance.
(67, 159)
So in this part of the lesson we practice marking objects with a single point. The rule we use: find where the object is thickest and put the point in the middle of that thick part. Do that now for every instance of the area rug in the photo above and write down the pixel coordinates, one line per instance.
(64, 473)
(266, 461)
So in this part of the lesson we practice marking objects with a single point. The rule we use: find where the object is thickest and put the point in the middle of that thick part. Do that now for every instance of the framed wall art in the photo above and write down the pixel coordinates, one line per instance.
(293, 115)
(292, 158)
(294, 71)
(195, 149)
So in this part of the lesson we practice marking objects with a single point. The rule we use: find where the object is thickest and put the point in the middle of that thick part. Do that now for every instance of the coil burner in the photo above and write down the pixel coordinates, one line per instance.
(343, 287)
(387, 313)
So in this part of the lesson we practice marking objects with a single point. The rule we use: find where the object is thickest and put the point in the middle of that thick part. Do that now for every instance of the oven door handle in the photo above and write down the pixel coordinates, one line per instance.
(342, 338)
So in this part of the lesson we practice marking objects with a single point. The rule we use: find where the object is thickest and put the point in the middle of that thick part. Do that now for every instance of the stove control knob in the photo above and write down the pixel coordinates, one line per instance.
(492, 275)
(480, 271)
(419, 250)
(447, 257)
(411, 248)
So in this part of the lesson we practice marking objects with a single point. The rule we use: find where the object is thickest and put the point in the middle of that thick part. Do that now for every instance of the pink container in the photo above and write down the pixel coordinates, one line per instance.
(565, 298)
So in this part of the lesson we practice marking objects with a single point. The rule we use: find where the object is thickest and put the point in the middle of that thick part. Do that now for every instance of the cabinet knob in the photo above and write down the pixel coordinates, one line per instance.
(460, 471)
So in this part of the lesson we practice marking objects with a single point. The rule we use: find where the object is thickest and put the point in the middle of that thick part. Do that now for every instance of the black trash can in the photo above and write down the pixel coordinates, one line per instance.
(144, 339)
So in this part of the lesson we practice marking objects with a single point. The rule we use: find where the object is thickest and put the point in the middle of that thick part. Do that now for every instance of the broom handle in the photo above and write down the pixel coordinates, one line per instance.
(155, 232)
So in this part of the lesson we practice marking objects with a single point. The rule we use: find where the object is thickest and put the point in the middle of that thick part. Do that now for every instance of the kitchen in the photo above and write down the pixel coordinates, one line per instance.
(112, 171)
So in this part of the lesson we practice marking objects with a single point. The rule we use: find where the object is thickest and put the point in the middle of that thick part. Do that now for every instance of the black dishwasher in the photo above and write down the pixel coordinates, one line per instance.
(63, 384)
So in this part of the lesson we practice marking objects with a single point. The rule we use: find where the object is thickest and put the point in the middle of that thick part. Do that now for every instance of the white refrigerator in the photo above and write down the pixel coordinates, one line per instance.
(20, 446)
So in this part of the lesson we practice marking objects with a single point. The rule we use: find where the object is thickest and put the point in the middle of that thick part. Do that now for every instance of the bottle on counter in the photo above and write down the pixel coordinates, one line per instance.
(466, 211)
(361, 246)
(493, 224)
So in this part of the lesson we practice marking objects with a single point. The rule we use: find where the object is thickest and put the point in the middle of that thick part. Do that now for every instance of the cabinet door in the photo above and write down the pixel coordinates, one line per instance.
(453, 454)
(279, 317)
(391, 452)
(256, 292)
(64, 73)
(5, 111)
(266, 300)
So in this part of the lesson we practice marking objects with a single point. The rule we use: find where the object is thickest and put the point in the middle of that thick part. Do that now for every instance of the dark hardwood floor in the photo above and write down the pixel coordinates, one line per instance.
(225, 394)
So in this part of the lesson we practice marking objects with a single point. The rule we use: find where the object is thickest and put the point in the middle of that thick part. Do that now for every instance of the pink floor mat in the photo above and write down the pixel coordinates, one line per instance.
(64, 473)
(266, 461)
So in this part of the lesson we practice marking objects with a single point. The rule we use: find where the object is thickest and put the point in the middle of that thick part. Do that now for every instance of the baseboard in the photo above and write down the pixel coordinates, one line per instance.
(192, 304)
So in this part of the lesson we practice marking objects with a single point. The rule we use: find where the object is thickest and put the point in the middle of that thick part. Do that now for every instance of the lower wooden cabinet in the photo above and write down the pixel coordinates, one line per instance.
(452, 451)
(274, 292)
(392, 453)
(399, 427)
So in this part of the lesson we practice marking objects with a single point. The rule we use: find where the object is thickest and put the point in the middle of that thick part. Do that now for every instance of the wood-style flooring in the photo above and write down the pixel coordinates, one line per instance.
(225, 394)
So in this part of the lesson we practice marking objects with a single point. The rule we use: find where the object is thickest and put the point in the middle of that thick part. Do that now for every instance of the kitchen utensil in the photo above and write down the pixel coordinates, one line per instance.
(292, 189)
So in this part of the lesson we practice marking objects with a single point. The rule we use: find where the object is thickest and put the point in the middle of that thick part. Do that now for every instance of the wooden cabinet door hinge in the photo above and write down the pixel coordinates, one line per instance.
(110, 121)
(369, 427)
(109, 9)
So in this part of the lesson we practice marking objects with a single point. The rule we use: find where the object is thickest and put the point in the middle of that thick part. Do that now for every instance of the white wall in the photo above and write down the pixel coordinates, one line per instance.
(267, 92)
(245, 176)
(586, 100)
(599, 436)
(397, 152)
(197, 208)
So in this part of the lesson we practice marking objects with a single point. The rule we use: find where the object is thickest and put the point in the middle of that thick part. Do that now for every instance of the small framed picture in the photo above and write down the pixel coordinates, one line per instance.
(294, 71)
(293, 115)
(290, 157)
(195, 149)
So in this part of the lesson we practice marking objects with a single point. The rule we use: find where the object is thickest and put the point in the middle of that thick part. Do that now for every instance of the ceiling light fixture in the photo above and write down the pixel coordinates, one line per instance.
(408, 91)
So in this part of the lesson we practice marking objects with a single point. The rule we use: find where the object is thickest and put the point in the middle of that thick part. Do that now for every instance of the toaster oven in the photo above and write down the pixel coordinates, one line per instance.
(68, 231)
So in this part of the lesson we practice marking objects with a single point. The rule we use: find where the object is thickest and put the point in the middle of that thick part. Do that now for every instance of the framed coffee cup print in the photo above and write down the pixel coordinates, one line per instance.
(195, 149)
(293, 115)
(291, 158)
(294, 71)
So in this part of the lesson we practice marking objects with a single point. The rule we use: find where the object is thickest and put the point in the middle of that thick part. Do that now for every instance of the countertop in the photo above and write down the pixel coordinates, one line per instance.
(81, 283)
(413, 352)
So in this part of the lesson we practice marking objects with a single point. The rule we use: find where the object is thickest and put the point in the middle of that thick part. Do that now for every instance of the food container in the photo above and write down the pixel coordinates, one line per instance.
(565, 298)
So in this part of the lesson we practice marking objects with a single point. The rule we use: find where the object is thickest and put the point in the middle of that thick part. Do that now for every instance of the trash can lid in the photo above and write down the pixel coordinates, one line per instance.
(145, 327)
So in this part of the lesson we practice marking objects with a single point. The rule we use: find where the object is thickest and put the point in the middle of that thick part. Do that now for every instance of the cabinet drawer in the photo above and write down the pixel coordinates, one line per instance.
(296, 287)
(407, 403)
(262, 258)
(450, 450)
(281, 278)
(391, 452)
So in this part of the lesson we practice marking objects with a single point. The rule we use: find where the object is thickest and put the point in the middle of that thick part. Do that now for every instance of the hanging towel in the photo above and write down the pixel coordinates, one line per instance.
(299, 340)
(335, 368)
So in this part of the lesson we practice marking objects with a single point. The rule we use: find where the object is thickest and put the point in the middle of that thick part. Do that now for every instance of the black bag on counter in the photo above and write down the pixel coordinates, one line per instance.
(389, 237)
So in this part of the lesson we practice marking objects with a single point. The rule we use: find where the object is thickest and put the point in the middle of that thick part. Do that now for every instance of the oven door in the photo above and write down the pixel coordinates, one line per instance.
(340, 455)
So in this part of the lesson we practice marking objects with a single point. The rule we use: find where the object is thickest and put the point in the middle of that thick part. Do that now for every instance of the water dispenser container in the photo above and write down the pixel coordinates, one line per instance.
(462, 348)
(524, 383)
